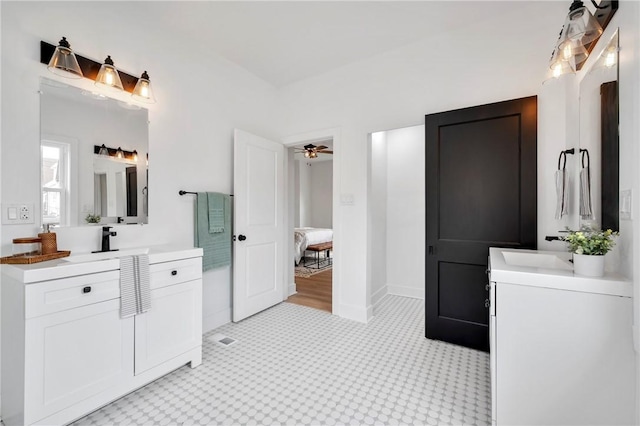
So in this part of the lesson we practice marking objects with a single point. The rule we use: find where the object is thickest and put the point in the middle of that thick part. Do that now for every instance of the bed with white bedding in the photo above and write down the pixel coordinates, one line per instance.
(305, 237)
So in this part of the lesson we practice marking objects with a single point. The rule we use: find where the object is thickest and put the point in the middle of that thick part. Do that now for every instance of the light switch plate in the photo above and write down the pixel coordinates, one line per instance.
(626, 204)
(17, 214)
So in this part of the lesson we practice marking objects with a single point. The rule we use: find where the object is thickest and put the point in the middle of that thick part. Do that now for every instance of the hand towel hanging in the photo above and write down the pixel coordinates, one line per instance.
(586, 211)
(562, 193)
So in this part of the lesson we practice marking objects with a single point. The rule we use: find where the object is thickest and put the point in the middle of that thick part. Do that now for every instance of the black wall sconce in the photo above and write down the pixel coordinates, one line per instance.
(138, 87)
(579, 35)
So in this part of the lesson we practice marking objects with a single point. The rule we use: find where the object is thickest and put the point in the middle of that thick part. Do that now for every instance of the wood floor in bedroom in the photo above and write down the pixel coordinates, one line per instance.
(314, 292)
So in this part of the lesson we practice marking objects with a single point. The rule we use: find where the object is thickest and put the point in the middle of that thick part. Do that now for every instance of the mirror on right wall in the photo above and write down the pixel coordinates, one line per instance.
(599, 154)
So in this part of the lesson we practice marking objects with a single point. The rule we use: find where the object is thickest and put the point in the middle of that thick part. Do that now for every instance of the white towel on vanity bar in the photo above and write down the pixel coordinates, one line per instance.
(562, 194)
(135, 289)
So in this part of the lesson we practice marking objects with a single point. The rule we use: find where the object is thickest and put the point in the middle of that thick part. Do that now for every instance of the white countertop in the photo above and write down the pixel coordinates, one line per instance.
(611, 283)
(60, 268)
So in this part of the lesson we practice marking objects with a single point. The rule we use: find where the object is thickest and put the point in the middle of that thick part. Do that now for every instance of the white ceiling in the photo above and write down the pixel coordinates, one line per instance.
(286, 41)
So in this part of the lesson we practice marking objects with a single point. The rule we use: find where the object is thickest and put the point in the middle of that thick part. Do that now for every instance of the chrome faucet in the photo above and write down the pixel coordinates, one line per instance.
(106, 233)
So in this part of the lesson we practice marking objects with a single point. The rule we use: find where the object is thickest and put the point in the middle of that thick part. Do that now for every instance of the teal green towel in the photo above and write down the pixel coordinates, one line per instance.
(217, 246)
(216, 212)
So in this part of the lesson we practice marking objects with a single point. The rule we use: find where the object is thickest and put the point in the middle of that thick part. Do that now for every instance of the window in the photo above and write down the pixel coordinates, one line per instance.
(55, 182)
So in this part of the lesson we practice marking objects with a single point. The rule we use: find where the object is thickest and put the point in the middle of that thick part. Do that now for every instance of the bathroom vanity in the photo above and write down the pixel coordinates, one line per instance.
(561, 345)
(65, 349)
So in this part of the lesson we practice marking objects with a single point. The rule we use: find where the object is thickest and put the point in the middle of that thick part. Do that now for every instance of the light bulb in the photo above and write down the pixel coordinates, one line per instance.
(610, 59)
(566, 51)
(557, 70)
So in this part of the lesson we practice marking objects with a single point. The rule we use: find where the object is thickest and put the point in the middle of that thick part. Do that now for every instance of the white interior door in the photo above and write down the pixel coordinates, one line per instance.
(258, 179)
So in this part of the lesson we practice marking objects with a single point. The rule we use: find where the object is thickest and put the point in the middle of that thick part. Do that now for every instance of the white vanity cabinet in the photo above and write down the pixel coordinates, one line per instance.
(561, 345)
(67, 352)
(174, 324)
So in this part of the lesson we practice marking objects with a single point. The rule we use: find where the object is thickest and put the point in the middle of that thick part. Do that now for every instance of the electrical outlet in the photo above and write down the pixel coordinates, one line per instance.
(25, 212)
(17, 214)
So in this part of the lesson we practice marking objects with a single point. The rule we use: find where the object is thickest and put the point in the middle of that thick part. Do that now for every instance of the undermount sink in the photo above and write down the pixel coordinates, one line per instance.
(91, 257)
(536, 260)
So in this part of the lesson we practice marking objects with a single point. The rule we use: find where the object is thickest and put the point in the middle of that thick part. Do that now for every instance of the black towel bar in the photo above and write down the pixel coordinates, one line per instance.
(181, 192)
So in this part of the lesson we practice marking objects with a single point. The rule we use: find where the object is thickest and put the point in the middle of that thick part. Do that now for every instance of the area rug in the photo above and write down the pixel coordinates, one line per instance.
(307, 271)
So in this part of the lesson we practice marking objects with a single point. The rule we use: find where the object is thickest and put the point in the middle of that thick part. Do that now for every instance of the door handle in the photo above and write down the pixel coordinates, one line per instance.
(242, 237)
(487, 303)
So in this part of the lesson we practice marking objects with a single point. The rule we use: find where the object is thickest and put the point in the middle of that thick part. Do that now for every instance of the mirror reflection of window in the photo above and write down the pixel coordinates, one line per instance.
(55, 182)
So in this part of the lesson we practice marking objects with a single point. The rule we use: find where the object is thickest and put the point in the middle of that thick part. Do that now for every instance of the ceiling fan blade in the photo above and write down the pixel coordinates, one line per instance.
(321, 147)
(325, 151)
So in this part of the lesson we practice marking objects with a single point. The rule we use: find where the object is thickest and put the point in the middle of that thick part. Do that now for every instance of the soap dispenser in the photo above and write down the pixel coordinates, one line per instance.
(49, 243)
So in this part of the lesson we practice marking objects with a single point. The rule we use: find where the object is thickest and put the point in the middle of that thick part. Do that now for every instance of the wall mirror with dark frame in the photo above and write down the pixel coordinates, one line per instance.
(598, 158)
(79, 180)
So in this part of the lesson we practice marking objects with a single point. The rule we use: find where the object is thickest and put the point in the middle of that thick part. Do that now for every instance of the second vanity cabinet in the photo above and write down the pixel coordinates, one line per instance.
(67, 352)
(561, 344)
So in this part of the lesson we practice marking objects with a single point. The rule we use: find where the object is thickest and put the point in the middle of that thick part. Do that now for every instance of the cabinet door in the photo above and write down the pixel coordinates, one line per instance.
(73, 355)
(171, 327)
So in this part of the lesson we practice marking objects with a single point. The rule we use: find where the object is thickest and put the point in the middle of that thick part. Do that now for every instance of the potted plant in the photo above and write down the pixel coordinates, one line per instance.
(92, 218)
(589, 245)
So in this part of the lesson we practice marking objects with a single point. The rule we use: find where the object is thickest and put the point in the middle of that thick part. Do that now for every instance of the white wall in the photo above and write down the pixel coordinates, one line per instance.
(190, 131)
(406, 214)
(321, 193)
(304, 194)
(378, 248)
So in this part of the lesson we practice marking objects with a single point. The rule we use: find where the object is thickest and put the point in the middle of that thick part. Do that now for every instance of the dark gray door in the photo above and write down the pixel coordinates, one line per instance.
(481, 192)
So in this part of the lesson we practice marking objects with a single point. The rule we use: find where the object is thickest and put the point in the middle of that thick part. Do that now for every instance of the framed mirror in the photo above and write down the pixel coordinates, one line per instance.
(599, 155)
(94, 158)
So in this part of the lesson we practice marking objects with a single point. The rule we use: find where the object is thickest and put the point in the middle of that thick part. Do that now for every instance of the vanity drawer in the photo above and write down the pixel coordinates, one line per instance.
(58, 295)
(179, 271)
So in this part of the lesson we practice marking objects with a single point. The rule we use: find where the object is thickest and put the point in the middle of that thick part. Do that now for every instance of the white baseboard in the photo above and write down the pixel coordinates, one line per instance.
(377, 297)
(215, 320)
(406, 291)
(355, 313)
(292, 289)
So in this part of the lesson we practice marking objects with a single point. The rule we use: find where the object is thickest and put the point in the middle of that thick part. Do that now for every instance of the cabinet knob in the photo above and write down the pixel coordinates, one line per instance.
(487, 303)
(86, 289)
(174, 272)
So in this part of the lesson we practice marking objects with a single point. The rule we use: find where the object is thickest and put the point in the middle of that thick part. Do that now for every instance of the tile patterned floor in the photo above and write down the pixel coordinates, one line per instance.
(295, 365)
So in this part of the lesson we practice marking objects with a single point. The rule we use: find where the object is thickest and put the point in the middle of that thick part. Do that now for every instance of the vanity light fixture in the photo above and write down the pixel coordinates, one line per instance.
(579, 35)
(108, 77)
(142, 92)
(115, 152)
(580, 27)
(63, 62)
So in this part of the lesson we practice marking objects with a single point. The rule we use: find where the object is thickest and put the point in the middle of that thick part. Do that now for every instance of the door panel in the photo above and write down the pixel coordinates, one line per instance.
(75, 354)
(258, 272)
(481, 192)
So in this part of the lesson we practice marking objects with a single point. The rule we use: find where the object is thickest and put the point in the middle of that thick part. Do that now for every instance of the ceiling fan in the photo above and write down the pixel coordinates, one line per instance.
(312, 151)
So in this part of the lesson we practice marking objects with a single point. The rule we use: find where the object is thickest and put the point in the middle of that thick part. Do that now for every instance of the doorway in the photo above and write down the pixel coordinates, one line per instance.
(311, 230)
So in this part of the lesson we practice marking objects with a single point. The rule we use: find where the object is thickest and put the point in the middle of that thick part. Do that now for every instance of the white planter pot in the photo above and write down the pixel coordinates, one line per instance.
(588, 265)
